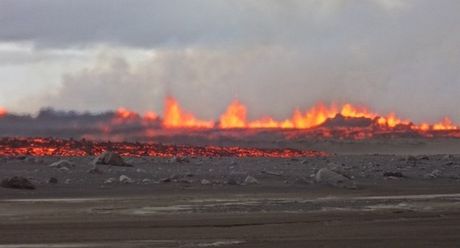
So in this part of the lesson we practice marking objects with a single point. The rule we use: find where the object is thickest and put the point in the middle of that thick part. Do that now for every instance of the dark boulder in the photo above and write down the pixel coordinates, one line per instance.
(17, 183)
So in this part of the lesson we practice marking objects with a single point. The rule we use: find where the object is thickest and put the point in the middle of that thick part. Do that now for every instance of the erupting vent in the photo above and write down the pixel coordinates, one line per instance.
(344, 121)
(236, 117)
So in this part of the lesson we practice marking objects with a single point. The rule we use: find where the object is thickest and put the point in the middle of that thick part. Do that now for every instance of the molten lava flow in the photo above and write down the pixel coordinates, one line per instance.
(71, 148)
(175, 117)
(3, 112)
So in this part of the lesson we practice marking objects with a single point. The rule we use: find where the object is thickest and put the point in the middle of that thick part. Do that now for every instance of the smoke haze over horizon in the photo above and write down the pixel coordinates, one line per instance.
(390, 55)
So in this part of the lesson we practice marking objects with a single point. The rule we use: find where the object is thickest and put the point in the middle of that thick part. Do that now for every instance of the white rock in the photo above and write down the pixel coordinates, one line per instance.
(329, 177)
(125, 179)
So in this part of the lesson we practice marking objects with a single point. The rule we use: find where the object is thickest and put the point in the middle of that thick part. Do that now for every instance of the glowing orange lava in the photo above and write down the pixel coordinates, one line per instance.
(445, 124)
(235, 117)
(124, 113)
(3, 112)
(74, 148)
(175, 117)
(151, 116)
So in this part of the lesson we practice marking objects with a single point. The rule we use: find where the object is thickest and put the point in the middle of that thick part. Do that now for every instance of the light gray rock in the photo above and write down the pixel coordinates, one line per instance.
(146, 181)
(125, 179)
(205, 182)
(62, 163)
(332, 178)
(110, 180)
(110, 158)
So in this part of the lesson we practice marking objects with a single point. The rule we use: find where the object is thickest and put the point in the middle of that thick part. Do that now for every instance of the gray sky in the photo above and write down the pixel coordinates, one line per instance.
(274, 55)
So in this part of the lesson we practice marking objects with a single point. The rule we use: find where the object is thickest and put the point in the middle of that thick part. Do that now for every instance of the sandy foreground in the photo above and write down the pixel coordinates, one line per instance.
(398, 201)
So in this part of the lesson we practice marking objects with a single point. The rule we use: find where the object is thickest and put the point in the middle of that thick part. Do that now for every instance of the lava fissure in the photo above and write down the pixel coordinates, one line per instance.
(78, 148)
(340, 121)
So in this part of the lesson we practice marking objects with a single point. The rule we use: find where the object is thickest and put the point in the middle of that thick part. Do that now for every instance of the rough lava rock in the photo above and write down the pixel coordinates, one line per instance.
(62, 163)
(110, 158)
(332, 178)
(52, 180)
(17, 183)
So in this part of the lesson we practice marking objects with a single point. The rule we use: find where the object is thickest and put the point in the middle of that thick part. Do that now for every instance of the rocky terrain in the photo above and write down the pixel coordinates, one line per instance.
(352, 200)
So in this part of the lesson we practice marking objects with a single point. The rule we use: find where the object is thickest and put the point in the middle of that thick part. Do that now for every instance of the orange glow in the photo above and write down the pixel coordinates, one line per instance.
(236, 114)
(349, 110)
(315, 116)
(391, 120)
(124, 113)
(3, 112)
(445, 124)
(234, 117)
(175, 117)
(422, 127)
(265, 122)
(150, 116)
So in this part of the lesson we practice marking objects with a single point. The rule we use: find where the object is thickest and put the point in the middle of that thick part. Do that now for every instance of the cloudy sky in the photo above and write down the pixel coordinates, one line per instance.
(274, 55)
